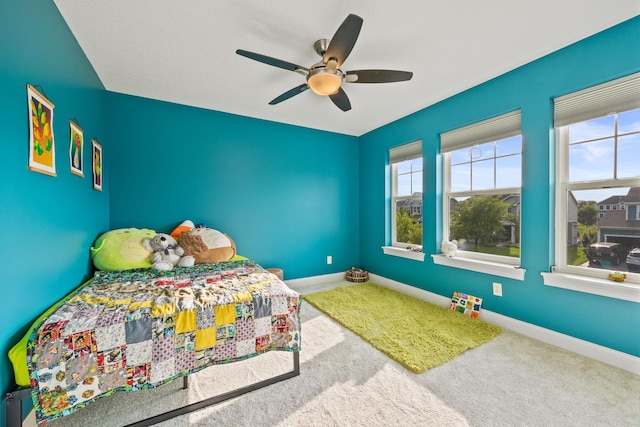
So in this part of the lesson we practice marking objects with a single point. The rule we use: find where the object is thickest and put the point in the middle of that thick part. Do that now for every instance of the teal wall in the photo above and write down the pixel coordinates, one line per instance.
(287, 195)
(50, 222)
(605, 321)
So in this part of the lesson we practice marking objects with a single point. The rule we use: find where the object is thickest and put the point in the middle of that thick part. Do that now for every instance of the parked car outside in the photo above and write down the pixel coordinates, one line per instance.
(633, 260)
(606, 253)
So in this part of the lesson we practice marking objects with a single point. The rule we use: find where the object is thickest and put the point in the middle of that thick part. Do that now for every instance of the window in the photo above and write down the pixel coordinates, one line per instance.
(482, 180)
(406, 198)
(598, 141)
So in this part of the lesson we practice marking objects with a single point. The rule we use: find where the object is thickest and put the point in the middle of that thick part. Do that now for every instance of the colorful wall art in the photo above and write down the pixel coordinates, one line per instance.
(96, 156)
(76, 144)
(42, 156)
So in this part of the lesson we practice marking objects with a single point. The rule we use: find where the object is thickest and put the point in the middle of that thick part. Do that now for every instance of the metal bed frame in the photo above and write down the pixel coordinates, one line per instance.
(13, 398)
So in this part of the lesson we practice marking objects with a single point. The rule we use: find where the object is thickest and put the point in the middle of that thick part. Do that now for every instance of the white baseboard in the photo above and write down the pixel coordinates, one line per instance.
(314, 280)
(597, 352)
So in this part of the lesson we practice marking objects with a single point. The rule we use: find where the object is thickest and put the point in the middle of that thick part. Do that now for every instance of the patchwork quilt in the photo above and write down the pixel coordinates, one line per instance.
(139, 329)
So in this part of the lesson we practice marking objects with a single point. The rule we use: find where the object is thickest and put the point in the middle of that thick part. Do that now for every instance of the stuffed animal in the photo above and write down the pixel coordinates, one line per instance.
(449, 249)
(167, 253)
(186, 225)
(207, 245)
(122, 249)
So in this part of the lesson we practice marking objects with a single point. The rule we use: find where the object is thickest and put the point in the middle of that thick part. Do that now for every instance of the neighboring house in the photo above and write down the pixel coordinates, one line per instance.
(622, 223)
(573, 237)
(611, 203)
(413, 206)
(513, 208)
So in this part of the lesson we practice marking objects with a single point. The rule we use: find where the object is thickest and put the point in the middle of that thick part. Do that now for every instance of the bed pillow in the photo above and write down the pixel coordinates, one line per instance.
(122, 249)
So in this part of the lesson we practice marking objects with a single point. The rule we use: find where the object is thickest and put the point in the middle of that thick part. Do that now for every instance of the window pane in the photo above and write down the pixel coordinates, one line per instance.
(409, 221)
(483, 151)
(461, 177)
(592, 129)
(404, 167)
(591, 161)
(416, 182)
(416, 164)
(404, 185)
(482, 175)
(486, 224)
(511, 145)
(629, 121)
(508, 171)
(594, 238)
(460, 156)
(629, 156)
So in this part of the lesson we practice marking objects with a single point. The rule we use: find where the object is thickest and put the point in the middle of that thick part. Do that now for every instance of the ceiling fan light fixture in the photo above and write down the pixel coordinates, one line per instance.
(325, 81)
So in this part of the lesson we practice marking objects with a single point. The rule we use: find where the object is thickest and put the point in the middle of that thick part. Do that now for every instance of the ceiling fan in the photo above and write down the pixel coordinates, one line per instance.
(325, 77)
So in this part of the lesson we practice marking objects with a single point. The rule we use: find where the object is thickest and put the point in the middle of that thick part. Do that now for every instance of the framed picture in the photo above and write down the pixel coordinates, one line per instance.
(96, 156)
(42, 148)
(76, 144)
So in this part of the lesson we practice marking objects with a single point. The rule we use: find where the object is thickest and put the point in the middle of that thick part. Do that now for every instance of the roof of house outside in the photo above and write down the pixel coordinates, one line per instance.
(633, 196)
(613, 200)
(616, 219)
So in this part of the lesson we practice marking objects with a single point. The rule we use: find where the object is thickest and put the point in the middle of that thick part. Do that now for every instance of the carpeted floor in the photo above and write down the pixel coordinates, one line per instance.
(417, 334)
(510, 381)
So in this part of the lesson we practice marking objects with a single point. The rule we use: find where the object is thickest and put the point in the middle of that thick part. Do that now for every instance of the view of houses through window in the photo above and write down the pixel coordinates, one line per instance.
(486, 224)
(603, 210)
(604, 233)
(406, 195)
(483, 193)
(408, 202)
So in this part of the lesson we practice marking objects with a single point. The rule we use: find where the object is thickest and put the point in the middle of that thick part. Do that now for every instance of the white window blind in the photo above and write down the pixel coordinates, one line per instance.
(492, 129)
(405, 152)
(612, 97)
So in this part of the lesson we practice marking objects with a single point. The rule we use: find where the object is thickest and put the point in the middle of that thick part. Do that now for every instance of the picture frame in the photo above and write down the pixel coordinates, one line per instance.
(76, 149)
(42, 153)
(96, 161)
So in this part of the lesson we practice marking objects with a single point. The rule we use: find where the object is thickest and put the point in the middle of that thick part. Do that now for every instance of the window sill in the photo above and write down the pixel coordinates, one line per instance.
(487, 267)
(591, 285)
(403, 253)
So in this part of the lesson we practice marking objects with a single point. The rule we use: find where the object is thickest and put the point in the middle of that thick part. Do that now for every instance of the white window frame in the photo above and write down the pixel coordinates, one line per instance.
(397, 155)
(394, 200)
(563, 186)
(491, 130)
(613, 97)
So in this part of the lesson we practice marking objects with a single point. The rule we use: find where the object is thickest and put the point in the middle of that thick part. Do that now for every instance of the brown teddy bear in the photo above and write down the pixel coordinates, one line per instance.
(207, 245)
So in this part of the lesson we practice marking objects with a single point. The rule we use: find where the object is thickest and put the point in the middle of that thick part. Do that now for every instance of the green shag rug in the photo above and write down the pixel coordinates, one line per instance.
(417, 334)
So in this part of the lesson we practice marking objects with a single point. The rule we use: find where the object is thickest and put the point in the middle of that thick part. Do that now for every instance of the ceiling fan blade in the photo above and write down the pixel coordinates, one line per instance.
(377, 76)
(341, 100)
(271, 61)
(343, 40)
(289, 94)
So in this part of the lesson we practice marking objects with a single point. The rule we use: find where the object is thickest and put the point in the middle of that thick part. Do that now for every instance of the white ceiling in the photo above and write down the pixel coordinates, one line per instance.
(184, 51)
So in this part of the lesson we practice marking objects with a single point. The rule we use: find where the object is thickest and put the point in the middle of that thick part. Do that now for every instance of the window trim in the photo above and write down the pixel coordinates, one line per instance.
(401, 153)
(590, 280)
(403, 253)
(591, 285)
(615, 96)
(481, 266)
(489, 130)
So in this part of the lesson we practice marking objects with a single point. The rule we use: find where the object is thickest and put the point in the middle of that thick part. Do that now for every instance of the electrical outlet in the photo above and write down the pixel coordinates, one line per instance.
(497, 289)
(329, 259)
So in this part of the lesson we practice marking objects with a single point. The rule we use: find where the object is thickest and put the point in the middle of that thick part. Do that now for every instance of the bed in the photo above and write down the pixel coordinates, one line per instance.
(138, 329)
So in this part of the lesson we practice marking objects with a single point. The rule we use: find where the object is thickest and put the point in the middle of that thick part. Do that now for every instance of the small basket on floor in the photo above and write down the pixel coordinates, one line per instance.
(357, 275)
